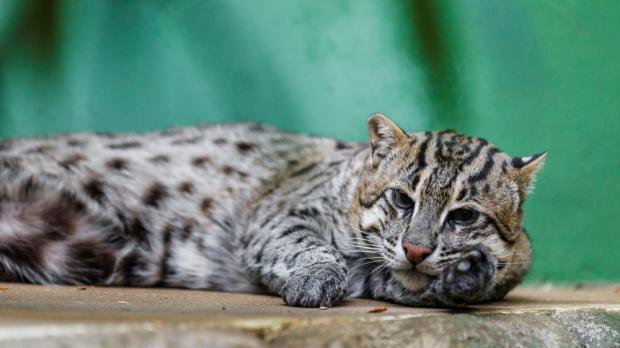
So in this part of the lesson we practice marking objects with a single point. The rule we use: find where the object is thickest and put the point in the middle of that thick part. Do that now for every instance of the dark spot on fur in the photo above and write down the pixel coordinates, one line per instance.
(76, 143)
(27, 255)
(200, 161)
(89, 263)
(220, 141)
(504, 166)
(205, 206)
(108, 135)
(129, 268)
(94, 190)
(54, 234)
(228, 170)
(462, 194)
(60, 218)
(72, 202)
(188, 227)
(160, 159)
(41, 149)
(72, 161)
(255, 127)
(293, 229)
(113, 237)
(171, 132)
(117, 163)
(307, 213)
(28, 189)
(342, 146)
(303, 170)
(163, 262)
(473, 191)
(415, 181)
(188, 141)
(155, 194)
(6, 145)
(244, 147)
(186, 187)
(133, 228)
(125, 145)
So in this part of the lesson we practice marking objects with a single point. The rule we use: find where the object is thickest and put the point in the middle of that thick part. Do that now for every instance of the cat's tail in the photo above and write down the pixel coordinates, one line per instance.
(47, 234)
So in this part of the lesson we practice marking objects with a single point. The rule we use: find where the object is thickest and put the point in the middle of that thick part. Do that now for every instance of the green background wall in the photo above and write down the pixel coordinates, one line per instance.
(528, 75)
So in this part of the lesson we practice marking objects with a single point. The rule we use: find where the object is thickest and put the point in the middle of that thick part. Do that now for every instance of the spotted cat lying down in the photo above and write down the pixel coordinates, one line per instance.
(421, 219)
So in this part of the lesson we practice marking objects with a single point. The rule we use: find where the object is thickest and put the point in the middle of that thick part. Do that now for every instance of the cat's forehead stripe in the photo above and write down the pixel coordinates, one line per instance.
(458, 151)
(486, 168)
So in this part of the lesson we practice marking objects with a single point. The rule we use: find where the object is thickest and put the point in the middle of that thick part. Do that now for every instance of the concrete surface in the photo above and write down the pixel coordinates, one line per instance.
(61, 316)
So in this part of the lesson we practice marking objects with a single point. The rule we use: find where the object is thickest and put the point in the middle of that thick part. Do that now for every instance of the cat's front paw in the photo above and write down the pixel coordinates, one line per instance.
(315, 287)
(468, 279)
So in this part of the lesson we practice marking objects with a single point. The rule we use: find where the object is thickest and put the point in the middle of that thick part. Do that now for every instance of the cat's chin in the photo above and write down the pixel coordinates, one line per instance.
(412, 280)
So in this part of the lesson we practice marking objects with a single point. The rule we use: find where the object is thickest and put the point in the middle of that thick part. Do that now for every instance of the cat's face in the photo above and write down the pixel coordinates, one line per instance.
(429, 201)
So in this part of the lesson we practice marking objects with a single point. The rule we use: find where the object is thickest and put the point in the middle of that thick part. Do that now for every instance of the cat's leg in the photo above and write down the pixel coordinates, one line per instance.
(293, 260)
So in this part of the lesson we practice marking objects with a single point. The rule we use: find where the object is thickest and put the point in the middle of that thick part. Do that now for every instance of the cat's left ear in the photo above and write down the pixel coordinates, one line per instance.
(525, 170)
(384, 136)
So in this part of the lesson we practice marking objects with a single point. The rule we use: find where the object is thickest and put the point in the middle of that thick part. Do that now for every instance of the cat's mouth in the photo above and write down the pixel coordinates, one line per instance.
(429, 269)
(412, 279)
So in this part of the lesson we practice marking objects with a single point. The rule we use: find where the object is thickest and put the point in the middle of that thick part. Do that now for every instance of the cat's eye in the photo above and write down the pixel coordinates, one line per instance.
(402, 200)
(463, 216)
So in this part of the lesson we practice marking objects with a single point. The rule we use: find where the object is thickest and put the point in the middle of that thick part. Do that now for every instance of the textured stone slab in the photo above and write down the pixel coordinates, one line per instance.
(59, 316)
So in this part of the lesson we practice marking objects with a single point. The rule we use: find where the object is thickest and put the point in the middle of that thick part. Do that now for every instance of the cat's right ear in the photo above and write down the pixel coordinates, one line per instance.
(384, 135)
(525, 169)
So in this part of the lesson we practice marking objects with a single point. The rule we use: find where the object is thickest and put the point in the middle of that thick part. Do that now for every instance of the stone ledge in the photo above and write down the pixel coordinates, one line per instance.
(61, 316)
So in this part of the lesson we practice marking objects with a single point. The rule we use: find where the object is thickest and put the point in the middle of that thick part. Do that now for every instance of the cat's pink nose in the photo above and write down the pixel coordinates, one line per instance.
(416, 254)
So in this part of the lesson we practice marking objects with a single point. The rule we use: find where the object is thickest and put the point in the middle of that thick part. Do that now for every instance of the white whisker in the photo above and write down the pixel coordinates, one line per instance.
(364, 264)
(377, 270)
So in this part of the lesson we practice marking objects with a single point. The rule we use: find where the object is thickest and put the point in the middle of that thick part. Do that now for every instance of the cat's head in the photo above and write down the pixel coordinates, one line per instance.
(426, 200)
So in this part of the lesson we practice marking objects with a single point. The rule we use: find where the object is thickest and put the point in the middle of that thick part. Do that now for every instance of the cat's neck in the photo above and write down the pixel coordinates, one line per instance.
(345, 191)
(350, 172)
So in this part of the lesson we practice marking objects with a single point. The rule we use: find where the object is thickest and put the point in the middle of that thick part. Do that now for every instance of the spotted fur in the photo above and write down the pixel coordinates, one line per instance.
(247, 208)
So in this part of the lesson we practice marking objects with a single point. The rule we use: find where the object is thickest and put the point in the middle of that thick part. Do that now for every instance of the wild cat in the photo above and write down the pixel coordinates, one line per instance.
(429, 218)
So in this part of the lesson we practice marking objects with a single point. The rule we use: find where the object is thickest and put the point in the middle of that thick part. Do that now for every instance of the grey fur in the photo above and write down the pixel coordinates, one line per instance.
(241, 208)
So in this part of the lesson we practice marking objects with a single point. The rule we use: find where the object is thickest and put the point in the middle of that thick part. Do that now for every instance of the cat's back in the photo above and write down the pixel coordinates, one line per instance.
(182, 168)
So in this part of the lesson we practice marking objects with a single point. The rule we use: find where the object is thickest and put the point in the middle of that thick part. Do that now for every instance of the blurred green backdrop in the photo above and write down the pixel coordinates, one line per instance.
(528, 75)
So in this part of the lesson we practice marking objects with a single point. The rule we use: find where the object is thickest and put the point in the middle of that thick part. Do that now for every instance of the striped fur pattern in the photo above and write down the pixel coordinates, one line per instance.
(247, 208)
